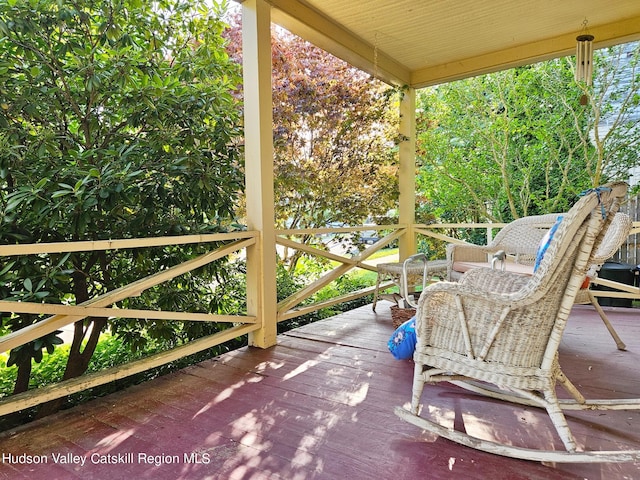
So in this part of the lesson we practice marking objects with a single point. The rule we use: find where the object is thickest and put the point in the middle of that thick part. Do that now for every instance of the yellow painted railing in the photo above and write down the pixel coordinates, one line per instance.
(102, 306)
(346, 263)
(291, 307)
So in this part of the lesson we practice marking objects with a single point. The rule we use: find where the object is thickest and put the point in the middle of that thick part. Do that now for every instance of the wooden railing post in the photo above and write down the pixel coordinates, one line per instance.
(258, 127)
(407, 172)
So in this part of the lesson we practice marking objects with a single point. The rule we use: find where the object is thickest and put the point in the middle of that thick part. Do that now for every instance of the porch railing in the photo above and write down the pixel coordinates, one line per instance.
(235, 243)
(100, 306)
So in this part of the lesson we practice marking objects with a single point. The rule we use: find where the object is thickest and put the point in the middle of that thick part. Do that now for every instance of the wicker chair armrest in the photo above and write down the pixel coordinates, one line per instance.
(498, 287)
(490, 280)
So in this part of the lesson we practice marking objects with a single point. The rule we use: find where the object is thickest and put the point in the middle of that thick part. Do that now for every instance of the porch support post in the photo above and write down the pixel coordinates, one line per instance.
(261, 258)
(407, 172)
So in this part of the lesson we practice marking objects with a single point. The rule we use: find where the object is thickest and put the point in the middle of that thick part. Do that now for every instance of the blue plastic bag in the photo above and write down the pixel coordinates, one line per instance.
(403, 341)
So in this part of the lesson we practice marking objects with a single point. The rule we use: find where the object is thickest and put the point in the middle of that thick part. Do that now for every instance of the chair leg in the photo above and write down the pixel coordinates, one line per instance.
(559, 420)
(418, 387)
(376, 292)
(594, 301)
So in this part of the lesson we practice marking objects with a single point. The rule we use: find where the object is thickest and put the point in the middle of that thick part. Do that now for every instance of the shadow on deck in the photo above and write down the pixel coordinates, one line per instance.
(319, 405)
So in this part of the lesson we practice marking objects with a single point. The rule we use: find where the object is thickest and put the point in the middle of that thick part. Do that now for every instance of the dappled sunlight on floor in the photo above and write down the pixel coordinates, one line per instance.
(320, 406)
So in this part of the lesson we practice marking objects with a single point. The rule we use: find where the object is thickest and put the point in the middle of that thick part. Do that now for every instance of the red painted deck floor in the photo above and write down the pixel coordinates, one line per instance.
(319, 405)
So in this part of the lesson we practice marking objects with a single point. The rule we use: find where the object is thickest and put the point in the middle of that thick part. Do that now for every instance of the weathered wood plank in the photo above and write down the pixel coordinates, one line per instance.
(319, 405)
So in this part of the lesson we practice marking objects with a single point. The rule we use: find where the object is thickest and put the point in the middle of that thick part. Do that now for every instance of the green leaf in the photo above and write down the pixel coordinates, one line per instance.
(7, 267)
(90, 202)
(60, 193)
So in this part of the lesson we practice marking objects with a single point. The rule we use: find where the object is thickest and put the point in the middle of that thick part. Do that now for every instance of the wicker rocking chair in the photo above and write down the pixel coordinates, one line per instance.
(497, 333)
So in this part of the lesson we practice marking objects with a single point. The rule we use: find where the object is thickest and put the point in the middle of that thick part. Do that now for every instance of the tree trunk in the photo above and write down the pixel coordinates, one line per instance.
(79, 358)
(24, 374)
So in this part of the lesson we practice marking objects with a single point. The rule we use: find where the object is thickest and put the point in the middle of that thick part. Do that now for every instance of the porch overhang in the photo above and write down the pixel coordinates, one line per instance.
(419, 44)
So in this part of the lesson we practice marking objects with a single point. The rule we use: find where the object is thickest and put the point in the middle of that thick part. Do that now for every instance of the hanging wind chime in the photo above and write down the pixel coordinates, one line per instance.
(584, 60)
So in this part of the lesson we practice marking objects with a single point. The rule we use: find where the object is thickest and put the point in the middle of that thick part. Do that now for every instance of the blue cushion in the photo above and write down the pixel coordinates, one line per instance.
(544, 243)
(403, 341)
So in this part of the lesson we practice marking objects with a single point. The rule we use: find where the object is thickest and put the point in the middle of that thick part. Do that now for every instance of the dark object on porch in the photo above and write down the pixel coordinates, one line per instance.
(617, 272)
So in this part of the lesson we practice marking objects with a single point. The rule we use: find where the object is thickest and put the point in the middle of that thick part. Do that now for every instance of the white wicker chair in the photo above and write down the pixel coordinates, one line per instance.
(516, 245)
(519, 240)
(503, 329)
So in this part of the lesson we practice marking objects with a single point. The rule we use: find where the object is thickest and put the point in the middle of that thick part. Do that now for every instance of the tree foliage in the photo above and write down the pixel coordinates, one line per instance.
(334, 131)
(117, 121)
(519, 142)
(614, 114)
(333, 149)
